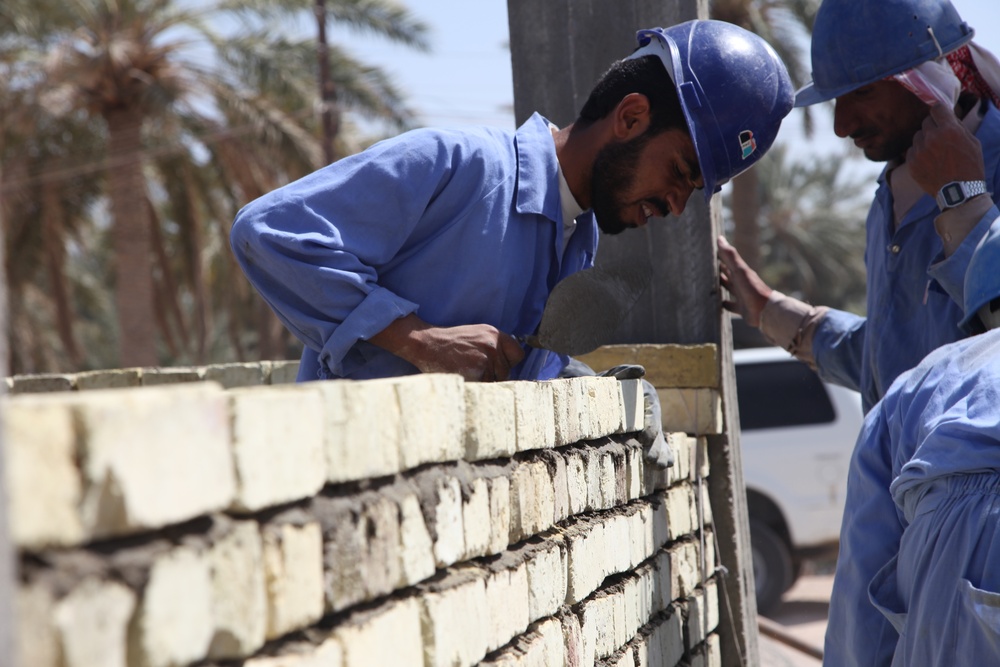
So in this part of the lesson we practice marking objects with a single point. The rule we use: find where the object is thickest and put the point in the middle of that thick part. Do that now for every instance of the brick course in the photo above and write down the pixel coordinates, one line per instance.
(224, 520)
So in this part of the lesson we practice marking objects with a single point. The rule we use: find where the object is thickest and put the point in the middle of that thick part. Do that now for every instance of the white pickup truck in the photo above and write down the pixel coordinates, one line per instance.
(797, 434)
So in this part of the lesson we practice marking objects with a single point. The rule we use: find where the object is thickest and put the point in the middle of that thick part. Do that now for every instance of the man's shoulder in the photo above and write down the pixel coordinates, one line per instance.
(465, 134)
(989, 127)
(966, 362)
(444, 149)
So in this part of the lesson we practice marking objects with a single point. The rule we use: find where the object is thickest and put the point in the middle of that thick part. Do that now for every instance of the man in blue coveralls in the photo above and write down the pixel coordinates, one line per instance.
(435, 250)
(914, 91)
(939, 427)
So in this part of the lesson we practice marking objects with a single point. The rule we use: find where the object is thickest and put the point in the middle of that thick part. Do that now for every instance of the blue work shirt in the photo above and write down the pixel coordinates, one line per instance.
(939, 427)
(944, 417)
(915, 295)
(914, 306)
(942, 592)
(459, 226)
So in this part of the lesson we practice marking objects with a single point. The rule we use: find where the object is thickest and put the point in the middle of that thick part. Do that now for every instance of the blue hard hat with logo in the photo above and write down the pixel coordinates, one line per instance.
(733, 88)
(857, 42)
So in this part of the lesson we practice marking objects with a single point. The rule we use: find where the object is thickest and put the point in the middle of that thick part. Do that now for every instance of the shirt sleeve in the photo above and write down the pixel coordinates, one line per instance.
(977, 216)
(838, 346)
(314, 247)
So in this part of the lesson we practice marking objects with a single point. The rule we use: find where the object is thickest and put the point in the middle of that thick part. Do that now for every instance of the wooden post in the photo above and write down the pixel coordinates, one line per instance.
(559, 49)
(8, 578)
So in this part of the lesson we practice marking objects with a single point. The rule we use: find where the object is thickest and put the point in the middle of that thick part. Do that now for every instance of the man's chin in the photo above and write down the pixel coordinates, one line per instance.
(874, 155)
(614, 228)
(881, 153)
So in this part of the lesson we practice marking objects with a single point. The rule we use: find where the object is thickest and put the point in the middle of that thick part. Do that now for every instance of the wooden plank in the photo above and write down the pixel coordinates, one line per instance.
(8, 577)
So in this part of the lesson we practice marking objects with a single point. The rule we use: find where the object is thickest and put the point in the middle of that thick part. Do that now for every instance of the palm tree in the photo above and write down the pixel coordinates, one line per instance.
(813, 228)
(41, 189)
(192, 124)
(782, 24)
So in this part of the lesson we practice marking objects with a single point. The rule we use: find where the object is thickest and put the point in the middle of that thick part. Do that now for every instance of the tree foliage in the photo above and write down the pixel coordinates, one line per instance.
(785, 25)
(813, 228)
(132, 131)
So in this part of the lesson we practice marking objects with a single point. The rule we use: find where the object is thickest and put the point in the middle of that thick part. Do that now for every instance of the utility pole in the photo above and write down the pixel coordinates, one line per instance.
(559, 49)
(329, 114)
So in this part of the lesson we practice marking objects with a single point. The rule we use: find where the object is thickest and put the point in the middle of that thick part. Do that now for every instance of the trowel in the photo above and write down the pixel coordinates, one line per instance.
(586, 308)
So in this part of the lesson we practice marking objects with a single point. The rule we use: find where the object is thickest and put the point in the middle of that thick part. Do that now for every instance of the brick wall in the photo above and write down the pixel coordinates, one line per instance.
(417, 521)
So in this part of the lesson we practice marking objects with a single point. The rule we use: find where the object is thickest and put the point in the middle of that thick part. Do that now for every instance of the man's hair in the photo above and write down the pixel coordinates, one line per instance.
(644, 75)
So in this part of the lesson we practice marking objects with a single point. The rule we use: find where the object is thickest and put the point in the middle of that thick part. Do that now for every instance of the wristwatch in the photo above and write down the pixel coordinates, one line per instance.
(957, 193)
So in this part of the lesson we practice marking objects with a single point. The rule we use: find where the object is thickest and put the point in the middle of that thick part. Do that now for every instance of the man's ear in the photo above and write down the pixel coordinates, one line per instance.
(631, 116)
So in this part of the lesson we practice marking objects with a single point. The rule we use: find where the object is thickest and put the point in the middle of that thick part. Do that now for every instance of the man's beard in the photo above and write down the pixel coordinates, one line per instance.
(894, 150)
(613, 174)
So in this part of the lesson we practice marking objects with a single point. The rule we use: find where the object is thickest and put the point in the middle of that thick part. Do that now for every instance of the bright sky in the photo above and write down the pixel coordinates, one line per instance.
(466, 79)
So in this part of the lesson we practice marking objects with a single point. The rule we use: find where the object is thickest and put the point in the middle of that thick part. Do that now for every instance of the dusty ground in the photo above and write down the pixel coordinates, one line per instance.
(802, 614)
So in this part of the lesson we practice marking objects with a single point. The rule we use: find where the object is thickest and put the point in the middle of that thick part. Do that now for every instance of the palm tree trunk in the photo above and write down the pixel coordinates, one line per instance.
(746, 212)
(132, 243)
(170, 300)
(193, 248)
(330, 114)
(161, 318)
(55, 258)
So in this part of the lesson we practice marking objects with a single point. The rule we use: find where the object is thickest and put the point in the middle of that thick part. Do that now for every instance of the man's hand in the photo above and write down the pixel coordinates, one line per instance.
(477, 352)
(944, 151)
(749, 293)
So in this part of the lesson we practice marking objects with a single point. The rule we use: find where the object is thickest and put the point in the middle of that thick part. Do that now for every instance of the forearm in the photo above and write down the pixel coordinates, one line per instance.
(950, 269)
(403, 338)
(955, 224)
(791, 324)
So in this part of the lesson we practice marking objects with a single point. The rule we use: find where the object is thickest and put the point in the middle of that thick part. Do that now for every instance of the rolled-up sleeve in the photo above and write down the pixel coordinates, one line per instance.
(950, 272)
(313, 248)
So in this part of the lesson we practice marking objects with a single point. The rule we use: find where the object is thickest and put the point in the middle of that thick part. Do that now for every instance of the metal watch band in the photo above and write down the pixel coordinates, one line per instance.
(957, 193)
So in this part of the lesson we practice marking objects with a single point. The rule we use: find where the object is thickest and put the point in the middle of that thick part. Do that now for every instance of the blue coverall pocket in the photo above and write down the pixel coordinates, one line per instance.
(883, 592)
(979, 629)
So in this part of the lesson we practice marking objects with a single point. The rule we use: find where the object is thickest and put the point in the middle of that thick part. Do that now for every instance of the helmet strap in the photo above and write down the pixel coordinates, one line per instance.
(930, 31)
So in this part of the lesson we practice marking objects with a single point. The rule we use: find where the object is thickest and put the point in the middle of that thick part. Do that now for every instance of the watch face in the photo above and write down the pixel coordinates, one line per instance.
(952, 194)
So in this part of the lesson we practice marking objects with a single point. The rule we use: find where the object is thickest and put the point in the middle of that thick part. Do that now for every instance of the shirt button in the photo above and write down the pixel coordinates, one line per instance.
(894, 248)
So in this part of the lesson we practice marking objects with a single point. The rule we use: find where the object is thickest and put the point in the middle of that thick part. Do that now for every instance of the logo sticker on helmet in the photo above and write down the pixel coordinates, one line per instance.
(747, 143)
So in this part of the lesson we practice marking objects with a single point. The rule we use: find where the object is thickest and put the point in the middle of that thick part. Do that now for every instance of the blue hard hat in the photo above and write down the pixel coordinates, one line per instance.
(857, 42)
(980, 277)
(733, 88)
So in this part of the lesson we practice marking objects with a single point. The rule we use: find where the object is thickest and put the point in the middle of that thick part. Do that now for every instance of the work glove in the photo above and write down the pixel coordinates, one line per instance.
(655, 447)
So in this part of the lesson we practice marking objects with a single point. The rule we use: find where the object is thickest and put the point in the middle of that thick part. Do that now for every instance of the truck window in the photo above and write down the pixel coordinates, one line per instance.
(786, 393)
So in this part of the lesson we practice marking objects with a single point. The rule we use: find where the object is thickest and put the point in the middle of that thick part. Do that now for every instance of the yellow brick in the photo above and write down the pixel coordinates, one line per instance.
(689, 366)
(692, 411)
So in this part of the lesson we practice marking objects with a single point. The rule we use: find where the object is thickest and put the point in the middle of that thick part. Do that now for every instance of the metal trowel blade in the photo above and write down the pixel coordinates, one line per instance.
(586, 308)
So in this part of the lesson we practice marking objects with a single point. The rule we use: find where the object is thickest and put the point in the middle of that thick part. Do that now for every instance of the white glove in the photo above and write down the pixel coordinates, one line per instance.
(655, 446)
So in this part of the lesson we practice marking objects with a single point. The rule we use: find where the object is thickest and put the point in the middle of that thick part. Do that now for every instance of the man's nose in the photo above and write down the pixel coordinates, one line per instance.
(679, 198)
(844, 119)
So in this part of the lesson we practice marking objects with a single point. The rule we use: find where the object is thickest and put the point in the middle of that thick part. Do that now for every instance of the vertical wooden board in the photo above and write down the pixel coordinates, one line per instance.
(727, 494)
(680, 305)
(7, 561)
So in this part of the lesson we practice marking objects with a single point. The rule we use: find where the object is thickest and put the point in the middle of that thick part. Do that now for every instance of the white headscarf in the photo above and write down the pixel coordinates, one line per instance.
(971, 68)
